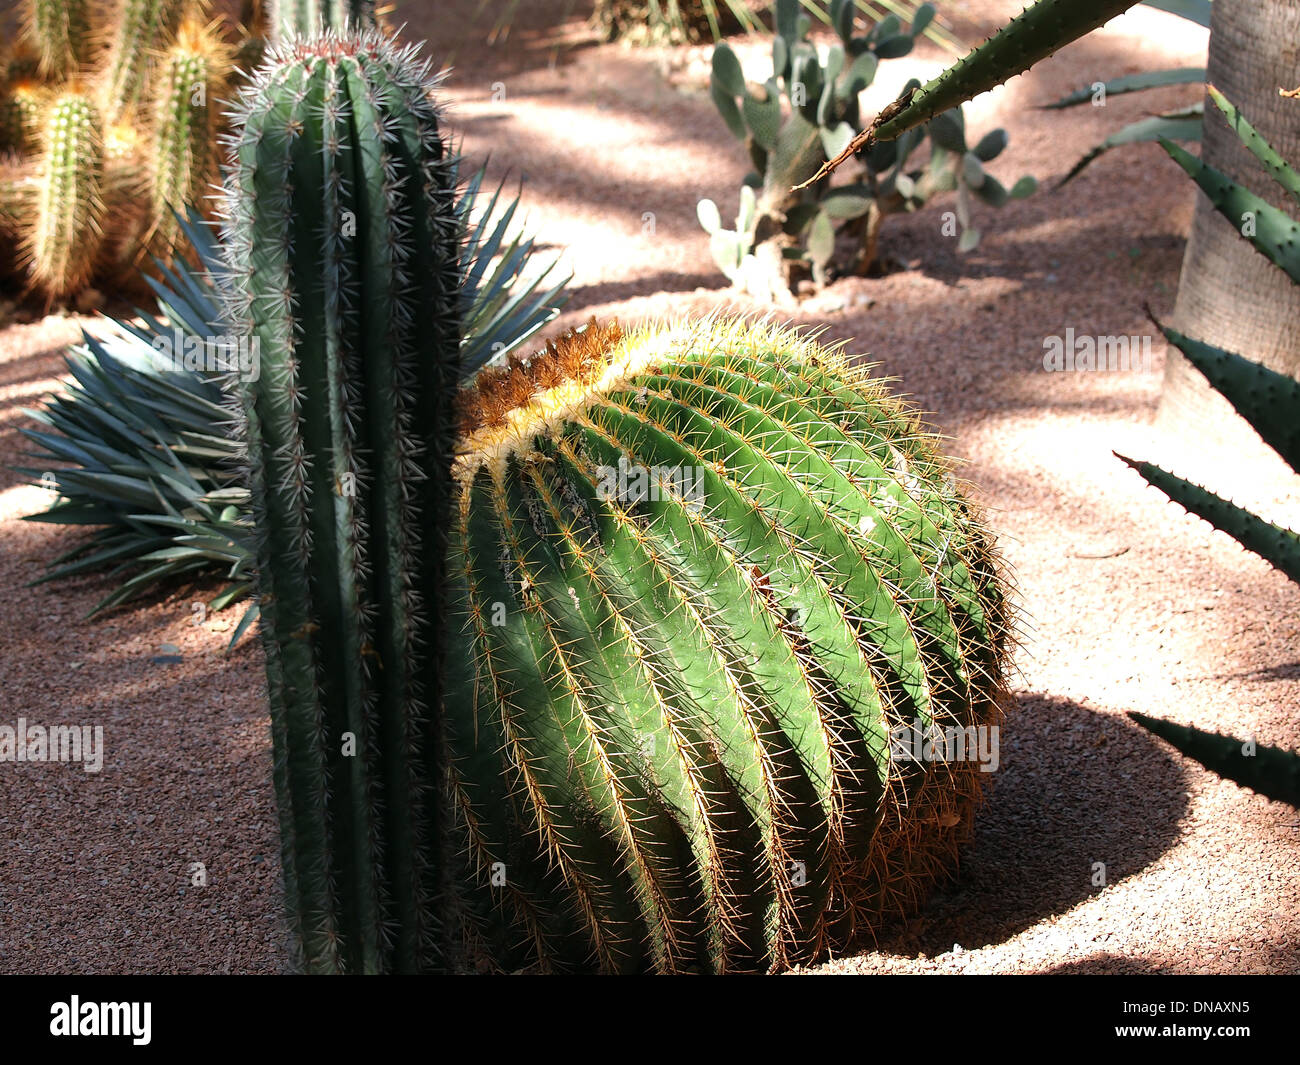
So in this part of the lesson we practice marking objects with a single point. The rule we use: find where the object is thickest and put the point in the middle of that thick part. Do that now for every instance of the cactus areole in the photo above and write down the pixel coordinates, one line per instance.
(615, 681)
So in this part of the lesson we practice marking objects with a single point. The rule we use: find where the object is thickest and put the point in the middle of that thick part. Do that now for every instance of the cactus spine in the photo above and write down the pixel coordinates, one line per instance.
(65, 231)
(342, 239)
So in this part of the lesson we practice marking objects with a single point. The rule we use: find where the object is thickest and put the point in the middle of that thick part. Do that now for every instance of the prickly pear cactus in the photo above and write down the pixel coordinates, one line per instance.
(701, 576)
(64, 234)
(792, 228)
(342, 240)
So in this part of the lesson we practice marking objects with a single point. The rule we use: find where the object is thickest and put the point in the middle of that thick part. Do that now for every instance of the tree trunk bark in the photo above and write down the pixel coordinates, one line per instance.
(1229, 294)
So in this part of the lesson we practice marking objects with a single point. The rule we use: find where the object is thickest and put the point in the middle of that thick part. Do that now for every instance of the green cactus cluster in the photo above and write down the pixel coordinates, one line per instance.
(528, 715)
(152, 73)
(807, 112)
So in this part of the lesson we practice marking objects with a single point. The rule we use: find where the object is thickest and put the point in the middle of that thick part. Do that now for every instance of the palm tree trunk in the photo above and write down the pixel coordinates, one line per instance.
(1228, 293)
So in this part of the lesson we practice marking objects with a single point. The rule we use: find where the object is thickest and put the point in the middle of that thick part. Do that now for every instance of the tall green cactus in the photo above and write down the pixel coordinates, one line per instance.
(185, 125)
(342, 241)
(59, 31)
(140, 31)
(64, 233)
(301, 18)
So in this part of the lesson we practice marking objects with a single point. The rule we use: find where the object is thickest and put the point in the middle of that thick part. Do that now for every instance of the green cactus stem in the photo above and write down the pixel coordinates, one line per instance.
(185, 127)
(302, 18)
(342, 241)
(141, 30)
(59, 32)
(20, 116)
(65, 231)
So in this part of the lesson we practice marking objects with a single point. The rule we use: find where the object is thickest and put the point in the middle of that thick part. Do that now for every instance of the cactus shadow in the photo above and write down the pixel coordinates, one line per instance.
(1075, 787)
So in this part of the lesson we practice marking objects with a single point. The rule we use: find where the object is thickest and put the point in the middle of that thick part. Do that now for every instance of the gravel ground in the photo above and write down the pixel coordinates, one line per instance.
(1128, 604)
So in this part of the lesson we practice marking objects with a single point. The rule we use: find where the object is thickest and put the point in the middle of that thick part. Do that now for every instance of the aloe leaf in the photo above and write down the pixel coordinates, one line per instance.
(1180, 125)
(1152, 79)
(1272, 233)
(1276, 545)
(1270, 771)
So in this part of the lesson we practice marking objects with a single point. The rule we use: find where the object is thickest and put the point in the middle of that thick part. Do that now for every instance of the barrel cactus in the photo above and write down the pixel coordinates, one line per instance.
(598, 660)
(702, 576)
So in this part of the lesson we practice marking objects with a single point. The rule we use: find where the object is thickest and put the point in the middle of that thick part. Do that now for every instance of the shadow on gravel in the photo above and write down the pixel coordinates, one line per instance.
(1074, 788)
(1270, 957)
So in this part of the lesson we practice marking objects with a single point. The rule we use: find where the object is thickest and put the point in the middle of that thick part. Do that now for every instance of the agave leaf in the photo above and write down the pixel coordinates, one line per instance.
(1269, 400)
(1274, 234)
(1034, 34)
(1282, 172)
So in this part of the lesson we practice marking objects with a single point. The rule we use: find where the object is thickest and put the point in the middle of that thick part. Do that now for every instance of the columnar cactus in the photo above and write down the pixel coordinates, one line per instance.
(20, 116)
(64, 234)
(140, 30)
(302, 18)
(59, 31)
(185, 127)
(342, 242)
(701, 577)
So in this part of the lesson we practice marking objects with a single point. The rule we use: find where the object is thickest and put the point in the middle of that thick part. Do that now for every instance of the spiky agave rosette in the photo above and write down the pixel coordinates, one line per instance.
(669, 701)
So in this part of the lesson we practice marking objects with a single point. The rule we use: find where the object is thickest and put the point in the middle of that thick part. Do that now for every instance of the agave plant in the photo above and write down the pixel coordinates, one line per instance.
(145, 444)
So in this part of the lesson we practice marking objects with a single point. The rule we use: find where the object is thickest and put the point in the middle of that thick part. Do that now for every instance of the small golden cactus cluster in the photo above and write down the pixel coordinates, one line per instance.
(109, 117)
